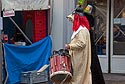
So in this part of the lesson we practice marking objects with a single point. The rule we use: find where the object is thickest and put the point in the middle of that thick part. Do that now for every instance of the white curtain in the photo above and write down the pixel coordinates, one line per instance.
(25, 4)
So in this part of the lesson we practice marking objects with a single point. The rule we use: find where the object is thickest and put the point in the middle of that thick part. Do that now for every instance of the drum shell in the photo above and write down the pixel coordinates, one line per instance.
(60, 63)
(60, 67)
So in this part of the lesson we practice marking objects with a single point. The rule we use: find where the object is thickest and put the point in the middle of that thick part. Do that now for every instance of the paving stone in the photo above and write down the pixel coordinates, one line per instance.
(114, 78)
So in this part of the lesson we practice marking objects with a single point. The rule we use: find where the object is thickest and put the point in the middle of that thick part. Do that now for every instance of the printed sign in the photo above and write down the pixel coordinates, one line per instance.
(8, 13)
(117, 20)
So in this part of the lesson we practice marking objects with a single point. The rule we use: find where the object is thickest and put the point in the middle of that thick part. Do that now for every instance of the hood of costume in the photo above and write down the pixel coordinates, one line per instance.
(79, 22)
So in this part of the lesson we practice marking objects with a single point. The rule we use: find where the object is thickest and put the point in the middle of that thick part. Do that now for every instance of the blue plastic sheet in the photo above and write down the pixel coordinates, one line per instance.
(26, 58)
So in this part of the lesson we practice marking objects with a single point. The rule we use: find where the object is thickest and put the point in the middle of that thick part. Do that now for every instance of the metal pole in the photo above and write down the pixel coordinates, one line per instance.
(20, 30)
(1, 51)
(1, 59)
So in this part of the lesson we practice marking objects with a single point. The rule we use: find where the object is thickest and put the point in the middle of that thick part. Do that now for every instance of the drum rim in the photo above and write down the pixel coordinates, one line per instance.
(60, 72)
(60, 55)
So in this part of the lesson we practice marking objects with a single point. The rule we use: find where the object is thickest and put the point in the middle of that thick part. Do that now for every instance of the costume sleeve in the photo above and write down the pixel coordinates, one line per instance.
(81, 39)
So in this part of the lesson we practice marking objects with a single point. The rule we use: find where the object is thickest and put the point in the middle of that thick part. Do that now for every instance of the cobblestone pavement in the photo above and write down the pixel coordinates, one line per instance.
(109, 79)
(114, 78)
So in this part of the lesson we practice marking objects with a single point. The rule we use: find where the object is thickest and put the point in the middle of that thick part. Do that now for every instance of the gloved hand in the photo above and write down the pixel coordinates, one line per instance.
(67, 46)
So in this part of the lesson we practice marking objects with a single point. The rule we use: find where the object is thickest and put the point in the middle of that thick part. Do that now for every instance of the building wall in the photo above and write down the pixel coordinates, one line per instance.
(61, 29)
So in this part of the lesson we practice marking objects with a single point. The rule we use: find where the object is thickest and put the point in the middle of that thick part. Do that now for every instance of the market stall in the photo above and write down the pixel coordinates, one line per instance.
(26, 26)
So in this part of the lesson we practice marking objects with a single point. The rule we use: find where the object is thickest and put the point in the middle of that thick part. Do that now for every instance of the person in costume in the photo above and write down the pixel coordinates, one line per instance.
(97, 76)
(80, 48)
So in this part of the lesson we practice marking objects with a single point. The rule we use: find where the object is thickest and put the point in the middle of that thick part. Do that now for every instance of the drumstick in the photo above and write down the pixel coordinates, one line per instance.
(43, 68)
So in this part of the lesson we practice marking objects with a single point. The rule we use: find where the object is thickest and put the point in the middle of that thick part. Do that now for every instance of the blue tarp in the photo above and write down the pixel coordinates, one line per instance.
(26, 58)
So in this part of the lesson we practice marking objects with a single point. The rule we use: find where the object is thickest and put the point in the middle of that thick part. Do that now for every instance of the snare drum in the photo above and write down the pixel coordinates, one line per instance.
(60, 66)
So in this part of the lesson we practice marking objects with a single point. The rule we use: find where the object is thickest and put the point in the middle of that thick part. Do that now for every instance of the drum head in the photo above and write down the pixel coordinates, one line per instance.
(64, 52)
(59, 77)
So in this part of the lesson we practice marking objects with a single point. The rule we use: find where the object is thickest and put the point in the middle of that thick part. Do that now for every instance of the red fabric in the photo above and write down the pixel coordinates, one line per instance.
(80, 20)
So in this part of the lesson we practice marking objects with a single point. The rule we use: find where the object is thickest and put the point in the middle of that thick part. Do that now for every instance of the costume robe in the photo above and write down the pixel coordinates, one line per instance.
(97, 75)
(80, 51)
